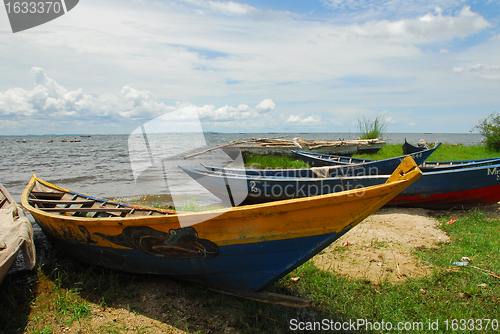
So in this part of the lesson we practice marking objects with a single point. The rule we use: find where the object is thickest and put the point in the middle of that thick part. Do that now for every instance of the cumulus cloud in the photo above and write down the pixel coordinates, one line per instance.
(426, 28)
(303, 120)
(483, 71)
(228, 113)
(265, 106)
(231, 8)
(49, 99)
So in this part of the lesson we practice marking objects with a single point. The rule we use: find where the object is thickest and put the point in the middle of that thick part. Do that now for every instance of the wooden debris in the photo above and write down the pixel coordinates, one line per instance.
(269, 297)
(280, 142)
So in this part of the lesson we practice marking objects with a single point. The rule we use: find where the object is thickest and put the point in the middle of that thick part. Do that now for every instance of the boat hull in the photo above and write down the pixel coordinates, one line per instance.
(347, 150)
(446, 189)
(244, 248)
(19, 235)
(244, 267)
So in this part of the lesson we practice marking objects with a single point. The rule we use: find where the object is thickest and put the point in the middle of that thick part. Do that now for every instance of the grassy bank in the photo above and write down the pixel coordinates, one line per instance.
(451, 292)
(445, 152)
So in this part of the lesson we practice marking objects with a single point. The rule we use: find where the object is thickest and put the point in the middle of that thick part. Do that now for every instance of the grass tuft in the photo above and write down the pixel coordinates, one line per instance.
(372, 129)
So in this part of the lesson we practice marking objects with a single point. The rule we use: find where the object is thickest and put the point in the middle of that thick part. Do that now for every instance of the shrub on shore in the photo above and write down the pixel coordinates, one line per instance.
(490, 129)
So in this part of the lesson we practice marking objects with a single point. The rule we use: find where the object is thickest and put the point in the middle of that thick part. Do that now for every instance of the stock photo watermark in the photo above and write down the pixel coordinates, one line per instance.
(430, 325)
(24, 15)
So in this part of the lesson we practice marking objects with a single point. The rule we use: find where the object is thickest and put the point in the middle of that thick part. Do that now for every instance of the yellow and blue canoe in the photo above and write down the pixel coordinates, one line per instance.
(243, 248)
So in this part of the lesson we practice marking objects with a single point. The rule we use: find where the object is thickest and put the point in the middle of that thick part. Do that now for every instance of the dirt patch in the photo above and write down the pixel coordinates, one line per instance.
(380, 247)
(112, 320)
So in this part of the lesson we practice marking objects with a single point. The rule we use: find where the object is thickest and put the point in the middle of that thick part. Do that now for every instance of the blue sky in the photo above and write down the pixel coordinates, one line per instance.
(253, 66)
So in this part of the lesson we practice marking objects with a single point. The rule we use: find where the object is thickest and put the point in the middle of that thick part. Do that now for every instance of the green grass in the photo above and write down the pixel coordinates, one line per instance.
(450, 293)
(273, 161)
(445, 152)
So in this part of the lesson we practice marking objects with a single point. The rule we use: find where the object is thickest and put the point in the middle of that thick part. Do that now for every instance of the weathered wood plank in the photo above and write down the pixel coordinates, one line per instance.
(41, 194)
(49, 201)
(56, 209)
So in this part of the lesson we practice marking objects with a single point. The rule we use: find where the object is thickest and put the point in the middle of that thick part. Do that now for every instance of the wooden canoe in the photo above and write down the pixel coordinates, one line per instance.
(409, 148)
(337, 166)
(342, 170)
(16, 233)
(456, 188)
(280, 146)
(242, 248)
(385, 166)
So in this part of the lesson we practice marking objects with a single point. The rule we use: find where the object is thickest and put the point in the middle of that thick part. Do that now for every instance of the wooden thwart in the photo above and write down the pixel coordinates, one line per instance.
(56, 209)
(49, 201)
(47, 194)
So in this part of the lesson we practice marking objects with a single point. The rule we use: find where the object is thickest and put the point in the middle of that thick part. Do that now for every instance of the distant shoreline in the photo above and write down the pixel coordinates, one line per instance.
(240, 133)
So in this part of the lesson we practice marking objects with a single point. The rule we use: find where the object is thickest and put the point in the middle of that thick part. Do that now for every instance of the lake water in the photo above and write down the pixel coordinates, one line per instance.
(100, 165)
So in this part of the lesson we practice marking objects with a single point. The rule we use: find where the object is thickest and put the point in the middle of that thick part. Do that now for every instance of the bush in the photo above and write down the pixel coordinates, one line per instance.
(490, 129)
(369, 129)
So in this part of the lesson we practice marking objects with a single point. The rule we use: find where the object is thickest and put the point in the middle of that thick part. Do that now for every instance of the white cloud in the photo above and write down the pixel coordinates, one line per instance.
(483, 71)
(228, 113)
(49, 99)
(137, 54)
(231, 8)
(303, 120)
(428, 27)
(265, 106)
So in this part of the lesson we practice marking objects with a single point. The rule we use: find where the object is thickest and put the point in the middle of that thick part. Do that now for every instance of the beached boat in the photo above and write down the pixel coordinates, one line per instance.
(426, 166)
(409, 148)
(16, 233)
(442, 189)
(280, 146)
(242, 249)
(384, 166)
(434, 166)
(340, 166)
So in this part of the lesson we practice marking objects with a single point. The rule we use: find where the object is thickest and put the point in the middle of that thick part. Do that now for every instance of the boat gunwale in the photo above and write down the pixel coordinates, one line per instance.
(235, 212)
(7, 195)
(241, 175)
(459, 169)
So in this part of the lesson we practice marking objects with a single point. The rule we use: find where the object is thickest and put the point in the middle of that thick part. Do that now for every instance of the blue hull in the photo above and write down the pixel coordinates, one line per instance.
(245, 267)
(450, 186)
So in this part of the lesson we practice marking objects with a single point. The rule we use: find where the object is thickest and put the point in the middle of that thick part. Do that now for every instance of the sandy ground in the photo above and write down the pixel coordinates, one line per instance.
(380, 247)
